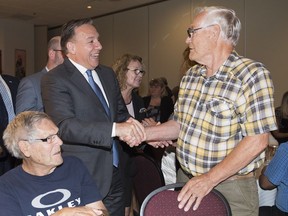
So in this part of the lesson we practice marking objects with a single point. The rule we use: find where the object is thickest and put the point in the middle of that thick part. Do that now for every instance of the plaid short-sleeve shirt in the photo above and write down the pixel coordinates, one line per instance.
(216, 112)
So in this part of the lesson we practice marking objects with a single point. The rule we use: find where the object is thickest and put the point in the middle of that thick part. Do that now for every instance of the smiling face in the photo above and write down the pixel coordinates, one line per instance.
(42, 157)
(84, 48)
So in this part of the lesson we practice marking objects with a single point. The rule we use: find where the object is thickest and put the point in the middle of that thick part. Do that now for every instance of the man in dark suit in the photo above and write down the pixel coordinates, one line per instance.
(29, 90)
(9, 84)
(86, 128)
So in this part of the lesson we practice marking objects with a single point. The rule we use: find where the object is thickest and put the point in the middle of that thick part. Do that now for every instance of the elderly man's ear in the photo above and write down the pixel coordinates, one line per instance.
(215, 29)
(24, 147)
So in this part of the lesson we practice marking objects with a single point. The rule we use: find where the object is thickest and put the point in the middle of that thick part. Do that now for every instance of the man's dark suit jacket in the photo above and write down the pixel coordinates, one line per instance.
(84, 126)
(29, 93)
(12, 83)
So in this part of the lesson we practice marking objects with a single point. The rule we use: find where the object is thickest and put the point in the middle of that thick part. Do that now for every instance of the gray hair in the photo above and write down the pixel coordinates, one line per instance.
(227, 20)
(23, 126)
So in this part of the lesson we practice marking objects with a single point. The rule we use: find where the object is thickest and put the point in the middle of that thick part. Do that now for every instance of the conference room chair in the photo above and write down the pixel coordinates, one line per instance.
(163, 202)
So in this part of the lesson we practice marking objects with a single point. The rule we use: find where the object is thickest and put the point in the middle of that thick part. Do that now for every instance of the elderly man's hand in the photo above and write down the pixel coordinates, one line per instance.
(194, 191)
(81, 211)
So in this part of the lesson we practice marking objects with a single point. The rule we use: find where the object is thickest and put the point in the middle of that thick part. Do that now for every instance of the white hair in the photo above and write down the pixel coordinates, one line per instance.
(226, 19)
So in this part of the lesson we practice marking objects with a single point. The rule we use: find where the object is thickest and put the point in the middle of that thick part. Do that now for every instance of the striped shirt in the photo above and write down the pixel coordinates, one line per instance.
(216, 112)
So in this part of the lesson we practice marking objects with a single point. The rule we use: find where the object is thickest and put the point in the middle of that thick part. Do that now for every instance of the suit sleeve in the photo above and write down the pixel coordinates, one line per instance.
(25, 99)
(122, 112)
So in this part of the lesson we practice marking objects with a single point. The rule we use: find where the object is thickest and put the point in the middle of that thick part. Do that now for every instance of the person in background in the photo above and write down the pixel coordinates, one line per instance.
(167, 88)
(45, 183)
(8, 91)
(281, 134)
(84, 100)
(159, 107)
(29, 90)
(275, 175)
(222, 118)
(129, 71)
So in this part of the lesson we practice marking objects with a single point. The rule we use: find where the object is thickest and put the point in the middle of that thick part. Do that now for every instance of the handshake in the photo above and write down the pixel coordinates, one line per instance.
(134, 133)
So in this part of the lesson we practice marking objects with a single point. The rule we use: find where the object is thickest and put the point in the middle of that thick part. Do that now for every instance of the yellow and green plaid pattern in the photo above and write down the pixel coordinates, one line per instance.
(216, 112)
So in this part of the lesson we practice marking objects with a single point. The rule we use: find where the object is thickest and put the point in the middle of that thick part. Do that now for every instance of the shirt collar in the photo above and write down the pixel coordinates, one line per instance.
(79, 67)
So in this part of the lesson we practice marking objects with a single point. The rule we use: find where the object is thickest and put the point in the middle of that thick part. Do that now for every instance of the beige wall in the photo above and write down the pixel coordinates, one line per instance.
(266, 39)
(40, 33)
(158, 32)
(16, 35)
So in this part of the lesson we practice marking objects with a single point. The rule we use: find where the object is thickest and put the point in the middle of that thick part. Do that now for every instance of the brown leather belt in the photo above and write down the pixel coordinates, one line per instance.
(189, 175)
(231, 178)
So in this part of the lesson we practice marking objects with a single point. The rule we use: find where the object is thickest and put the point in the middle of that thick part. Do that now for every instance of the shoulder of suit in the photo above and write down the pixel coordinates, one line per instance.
(35, 76)
(103, 67)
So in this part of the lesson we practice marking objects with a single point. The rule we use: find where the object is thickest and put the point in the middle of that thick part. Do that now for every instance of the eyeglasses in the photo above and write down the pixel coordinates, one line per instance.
(191, 31)
(50, 139)
(137, 71)
(58, 50)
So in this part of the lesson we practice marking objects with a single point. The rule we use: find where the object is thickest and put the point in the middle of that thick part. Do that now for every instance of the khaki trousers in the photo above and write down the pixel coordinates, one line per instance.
(242, 194)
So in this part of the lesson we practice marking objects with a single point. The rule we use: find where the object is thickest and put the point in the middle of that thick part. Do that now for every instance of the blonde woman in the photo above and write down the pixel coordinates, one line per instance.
(129, 70)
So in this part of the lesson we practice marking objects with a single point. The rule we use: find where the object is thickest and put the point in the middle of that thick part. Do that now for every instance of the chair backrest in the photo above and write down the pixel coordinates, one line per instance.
(163, 202)
(149, 176)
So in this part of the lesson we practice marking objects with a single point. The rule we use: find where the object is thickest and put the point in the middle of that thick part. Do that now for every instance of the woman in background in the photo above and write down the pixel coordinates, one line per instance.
(158, 105)
(129, 70)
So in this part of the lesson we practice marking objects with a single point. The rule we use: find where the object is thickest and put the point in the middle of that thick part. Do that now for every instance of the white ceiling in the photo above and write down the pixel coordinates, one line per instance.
(54, 13)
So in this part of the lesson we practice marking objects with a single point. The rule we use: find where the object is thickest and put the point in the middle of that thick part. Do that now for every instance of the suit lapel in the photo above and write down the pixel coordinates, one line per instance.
(81, 83)
(107, 87)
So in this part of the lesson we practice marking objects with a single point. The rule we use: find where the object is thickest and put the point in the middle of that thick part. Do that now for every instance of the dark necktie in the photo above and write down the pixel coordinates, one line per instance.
(7, 101)
(100, 95)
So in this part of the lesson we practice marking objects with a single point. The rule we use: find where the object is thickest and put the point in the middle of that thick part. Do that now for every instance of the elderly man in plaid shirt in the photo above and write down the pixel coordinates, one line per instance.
(223, 115)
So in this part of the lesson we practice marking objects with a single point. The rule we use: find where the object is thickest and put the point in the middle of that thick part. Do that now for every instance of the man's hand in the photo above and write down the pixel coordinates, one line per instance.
(131, 132)
(194, 191)
(81, 211)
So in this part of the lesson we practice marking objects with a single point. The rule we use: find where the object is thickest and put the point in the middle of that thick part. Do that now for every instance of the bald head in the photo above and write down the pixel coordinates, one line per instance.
(55, 54)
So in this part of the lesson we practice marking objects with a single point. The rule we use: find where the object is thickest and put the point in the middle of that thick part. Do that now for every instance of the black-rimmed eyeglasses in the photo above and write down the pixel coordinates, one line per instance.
(191, 31)
(137, 71)
(49, 139)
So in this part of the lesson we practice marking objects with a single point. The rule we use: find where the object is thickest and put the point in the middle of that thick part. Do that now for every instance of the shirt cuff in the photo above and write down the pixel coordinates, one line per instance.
(113, 130)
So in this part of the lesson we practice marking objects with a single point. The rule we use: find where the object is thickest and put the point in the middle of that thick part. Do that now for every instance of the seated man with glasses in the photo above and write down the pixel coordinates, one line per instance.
(45, 183)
